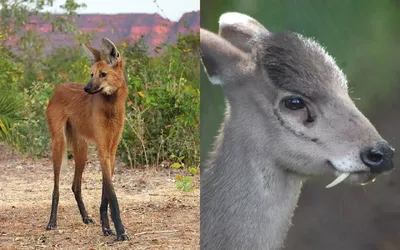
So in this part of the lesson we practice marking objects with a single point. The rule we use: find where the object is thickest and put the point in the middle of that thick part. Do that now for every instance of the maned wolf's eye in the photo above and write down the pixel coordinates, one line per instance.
(91, 75)
(294, 103)
(103, 74)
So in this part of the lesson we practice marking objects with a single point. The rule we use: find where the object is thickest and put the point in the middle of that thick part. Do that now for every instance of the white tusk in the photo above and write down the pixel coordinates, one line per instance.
(367, 182)
(338, 180)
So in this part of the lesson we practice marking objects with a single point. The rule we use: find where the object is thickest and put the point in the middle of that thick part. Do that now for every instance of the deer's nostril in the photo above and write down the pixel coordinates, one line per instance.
(375, 155)
(379, 157)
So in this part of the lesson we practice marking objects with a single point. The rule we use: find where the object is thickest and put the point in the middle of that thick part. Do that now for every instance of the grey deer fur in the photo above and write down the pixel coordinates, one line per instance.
(263, 153)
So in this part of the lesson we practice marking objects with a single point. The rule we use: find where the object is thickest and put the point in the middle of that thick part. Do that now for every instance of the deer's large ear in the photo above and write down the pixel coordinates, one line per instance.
(219, 57)
(241, 30)
(109, 52)
(92, 53)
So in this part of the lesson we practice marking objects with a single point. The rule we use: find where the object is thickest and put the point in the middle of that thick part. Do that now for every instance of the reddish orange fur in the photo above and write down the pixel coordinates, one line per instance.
(98, 118)
(78, 118)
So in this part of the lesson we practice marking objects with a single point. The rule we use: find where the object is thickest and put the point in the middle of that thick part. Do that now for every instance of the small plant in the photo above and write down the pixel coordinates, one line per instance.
(179, 161)
(184, 183)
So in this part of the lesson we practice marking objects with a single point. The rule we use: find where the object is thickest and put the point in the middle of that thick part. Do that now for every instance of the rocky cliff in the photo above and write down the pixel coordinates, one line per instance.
(119, 28)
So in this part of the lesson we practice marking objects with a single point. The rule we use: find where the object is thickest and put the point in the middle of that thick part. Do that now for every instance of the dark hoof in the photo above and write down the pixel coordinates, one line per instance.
(108, 232)
(123, 237)
(51, 226)
(88, 220)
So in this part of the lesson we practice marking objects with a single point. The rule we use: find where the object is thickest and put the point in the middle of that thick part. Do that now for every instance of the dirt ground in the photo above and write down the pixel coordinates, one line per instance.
(155, 213)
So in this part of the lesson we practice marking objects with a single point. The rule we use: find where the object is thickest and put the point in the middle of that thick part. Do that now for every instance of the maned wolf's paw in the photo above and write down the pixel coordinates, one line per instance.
(122, 237)
(51, 226)
(89, 220)
(108, 232)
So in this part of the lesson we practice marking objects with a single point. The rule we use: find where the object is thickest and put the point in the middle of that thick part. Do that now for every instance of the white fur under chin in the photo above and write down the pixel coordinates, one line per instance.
(108, 90)
(231, 18)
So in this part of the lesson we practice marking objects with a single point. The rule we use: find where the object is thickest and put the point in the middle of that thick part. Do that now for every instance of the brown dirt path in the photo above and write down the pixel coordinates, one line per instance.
(153, 210)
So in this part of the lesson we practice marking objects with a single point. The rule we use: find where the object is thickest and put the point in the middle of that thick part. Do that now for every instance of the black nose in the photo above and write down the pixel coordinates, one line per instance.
(87, 87)
(379, 157)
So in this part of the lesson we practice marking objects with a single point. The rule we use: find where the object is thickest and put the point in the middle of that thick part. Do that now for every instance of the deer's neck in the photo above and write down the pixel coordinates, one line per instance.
(246, 200)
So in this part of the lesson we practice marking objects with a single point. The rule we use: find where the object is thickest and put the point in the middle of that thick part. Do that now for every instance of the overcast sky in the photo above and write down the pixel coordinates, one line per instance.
(173, 9)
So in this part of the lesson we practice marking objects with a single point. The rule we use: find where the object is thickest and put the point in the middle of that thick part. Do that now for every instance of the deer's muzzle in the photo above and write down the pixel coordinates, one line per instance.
(378, 158)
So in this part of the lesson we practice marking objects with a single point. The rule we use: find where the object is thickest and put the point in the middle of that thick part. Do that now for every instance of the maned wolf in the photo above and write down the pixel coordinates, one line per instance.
(80, 114)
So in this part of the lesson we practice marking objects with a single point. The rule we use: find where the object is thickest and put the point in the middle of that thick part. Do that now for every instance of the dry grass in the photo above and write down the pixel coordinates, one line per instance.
(154, 212)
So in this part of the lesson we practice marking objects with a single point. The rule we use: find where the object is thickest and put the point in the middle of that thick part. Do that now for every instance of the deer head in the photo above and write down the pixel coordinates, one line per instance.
(288, 102)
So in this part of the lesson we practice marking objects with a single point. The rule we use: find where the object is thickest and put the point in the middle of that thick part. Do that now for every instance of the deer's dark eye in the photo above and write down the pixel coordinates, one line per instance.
(91, 75)
(103, 74)
(294, 103)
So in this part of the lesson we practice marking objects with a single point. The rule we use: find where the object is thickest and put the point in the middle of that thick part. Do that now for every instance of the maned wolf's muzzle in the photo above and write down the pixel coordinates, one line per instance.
(89, 88)
(378, 158)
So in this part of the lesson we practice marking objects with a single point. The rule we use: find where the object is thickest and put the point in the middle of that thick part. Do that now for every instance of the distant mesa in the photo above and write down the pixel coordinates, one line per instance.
(154, 28)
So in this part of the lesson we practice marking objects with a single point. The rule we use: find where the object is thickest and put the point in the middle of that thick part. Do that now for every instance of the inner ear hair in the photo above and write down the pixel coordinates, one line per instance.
(219, 57)
(93, 54)
(241, 30)
(109, 54)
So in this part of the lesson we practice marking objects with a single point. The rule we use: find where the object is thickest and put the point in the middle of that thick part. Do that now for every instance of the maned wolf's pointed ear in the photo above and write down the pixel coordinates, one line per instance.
(110, 54)
(219, 57)
(92, 53)
(241, 30)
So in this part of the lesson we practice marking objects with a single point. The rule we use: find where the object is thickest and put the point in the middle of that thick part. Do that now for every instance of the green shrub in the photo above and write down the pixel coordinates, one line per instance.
(162, 116)
(163, 105)
(10, 74)
(10, 113)
(11, 102)
(31, 134)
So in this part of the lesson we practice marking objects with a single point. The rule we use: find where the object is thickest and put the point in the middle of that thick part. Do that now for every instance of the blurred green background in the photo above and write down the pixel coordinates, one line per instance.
(364, 38)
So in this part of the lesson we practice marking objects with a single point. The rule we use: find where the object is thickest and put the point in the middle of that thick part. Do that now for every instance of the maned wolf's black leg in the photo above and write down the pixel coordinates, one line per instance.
(105, 224)
(54, 204)
(58, 151)
(114, 209)
(80, 148)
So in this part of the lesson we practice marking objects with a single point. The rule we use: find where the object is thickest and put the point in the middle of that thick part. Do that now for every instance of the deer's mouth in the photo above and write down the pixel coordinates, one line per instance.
(362, 177)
